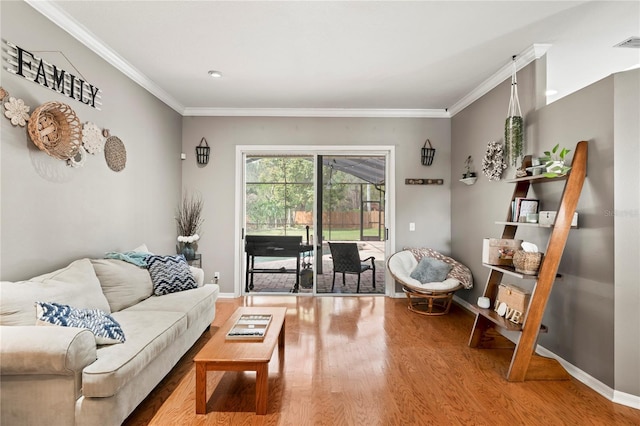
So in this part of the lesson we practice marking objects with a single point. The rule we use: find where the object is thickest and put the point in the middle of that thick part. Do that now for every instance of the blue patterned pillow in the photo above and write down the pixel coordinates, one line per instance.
(170, 274)
(102, 325)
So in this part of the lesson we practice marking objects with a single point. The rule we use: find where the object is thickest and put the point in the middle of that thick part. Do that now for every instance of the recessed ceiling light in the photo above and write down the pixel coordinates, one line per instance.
(215, 74)
(551, 92)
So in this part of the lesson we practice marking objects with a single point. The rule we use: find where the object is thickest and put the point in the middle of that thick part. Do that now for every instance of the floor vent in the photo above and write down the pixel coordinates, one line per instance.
(633, 42)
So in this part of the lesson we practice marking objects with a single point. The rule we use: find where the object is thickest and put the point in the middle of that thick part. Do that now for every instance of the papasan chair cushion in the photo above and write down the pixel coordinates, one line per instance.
(429, 298)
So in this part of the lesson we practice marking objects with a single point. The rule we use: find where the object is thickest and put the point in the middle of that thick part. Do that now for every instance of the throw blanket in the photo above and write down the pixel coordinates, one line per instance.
(138, 258)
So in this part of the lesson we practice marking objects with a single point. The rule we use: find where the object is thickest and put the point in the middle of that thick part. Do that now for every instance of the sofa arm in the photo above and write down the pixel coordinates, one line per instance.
(198, 274)
(45, 350)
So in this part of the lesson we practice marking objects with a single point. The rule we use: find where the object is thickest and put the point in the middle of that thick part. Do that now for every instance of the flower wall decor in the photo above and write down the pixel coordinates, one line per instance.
(493, 162)
(16, 111)
(92, 138)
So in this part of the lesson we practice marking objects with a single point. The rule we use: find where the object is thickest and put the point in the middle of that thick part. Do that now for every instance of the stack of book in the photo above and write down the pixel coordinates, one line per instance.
(521, 206)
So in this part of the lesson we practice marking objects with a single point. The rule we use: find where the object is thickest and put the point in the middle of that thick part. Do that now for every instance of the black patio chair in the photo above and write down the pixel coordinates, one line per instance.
(346, 259)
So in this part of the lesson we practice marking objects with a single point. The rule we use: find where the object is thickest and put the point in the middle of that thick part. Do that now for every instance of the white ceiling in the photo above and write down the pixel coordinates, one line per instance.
(417, 57)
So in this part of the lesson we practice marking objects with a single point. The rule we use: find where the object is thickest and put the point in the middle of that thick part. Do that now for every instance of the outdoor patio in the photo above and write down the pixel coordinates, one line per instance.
(284, 283)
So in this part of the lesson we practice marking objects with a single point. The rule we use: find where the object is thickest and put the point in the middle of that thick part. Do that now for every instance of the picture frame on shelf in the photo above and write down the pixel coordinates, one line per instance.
(523, 206)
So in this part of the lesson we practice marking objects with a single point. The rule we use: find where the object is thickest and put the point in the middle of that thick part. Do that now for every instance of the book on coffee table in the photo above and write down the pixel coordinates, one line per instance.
(250, 327)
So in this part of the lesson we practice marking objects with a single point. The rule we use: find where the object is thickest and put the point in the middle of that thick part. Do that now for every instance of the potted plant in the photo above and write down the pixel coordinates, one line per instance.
(469, 171)
(514, 124)
(188, 220)
(554, 161)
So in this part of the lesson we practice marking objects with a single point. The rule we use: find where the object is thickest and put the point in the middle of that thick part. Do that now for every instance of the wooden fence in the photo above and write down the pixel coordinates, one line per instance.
(343, 220)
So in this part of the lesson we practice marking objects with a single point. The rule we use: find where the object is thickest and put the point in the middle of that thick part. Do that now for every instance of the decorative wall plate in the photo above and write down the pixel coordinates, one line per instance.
(79, 159)
(115, 153)
(16, 111)
(92, 138)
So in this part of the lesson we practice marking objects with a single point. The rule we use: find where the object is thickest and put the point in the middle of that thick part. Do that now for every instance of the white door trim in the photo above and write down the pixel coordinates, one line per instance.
(382, 150)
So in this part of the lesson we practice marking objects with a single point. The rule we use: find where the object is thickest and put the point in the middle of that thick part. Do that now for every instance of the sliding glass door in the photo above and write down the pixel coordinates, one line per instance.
(279, 200)
(352, 214)
(297, 207)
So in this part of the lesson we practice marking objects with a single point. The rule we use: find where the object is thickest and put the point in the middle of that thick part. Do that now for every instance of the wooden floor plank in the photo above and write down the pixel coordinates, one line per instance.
(369, 361)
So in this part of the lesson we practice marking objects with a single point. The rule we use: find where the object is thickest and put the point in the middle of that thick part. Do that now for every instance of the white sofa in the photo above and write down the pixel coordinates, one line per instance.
(59, 375)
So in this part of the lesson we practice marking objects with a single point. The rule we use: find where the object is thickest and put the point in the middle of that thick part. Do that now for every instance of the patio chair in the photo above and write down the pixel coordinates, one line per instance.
(346, 259)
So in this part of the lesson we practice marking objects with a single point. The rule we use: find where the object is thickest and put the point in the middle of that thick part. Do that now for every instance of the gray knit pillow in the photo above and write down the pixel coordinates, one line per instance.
(430, 270)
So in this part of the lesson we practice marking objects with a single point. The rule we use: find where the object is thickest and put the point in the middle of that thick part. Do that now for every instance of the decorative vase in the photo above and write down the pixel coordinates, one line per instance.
(188, 251)
(555, 167)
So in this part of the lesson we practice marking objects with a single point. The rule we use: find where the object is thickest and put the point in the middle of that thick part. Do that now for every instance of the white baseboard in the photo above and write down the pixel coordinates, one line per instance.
(612, 395)
(627, 399)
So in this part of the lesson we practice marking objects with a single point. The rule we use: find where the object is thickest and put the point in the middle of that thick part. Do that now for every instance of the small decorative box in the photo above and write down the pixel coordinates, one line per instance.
(497, 251)
(516, 300)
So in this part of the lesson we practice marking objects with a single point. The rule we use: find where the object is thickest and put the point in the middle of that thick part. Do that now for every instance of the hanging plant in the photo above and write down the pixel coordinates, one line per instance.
(514, 125)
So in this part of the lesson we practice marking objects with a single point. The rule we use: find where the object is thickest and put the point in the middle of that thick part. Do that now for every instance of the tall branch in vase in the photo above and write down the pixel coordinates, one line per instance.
(189, 220)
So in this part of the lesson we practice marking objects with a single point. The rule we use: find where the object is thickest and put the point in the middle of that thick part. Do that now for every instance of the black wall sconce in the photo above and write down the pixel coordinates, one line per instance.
(427, 154)
(202, 152)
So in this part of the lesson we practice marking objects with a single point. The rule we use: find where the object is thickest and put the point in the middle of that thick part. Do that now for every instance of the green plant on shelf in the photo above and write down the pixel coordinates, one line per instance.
(554, 161)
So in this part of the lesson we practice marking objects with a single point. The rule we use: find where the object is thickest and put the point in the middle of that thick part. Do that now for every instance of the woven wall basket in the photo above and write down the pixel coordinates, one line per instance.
(55, 129)
(115, 153)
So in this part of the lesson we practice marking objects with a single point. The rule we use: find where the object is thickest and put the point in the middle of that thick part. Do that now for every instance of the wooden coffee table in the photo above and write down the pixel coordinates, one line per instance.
(220, 354)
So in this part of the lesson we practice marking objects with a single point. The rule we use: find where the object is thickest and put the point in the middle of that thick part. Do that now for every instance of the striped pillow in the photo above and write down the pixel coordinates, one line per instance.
(106, 329)
(170, 274)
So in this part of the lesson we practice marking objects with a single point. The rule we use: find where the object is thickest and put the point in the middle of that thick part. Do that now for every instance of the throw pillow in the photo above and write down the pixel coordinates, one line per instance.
(170, 274)
(106, 329)
(430, 270)
(123, 284)
(75, 285)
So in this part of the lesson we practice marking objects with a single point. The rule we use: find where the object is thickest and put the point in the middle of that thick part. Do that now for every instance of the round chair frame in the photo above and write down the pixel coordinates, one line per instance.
(431, 302)
(436, 302)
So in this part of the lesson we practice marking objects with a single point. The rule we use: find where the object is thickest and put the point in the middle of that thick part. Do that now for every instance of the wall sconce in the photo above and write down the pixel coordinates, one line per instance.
(202, 152)
(427, 154)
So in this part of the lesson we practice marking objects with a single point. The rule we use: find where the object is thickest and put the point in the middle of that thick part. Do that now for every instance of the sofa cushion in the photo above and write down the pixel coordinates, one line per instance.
(148, 334)
(105, 329)
(75, 285)
(123, 284)
(192, 302)
(170, 274)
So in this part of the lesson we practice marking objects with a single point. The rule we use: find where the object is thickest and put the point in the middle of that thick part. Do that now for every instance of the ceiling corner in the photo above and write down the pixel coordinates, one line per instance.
(59, 17)
(522, 59)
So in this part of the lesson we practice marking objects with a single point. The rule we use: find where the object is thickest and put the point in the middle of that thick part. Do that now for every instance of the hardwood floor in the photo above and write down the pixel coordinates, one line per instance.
(369, 361)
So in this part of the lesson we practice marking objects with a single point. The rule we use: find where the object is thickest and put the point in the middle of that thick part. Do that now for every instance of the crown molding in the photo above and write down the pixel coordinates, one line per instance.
(62, 19)
(317, 112)
(523, 59)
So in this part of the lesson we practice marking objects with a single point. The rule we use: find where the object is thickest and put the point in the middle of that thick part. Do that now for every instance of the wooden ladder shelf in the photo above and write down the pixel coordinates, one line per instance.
(525, 364)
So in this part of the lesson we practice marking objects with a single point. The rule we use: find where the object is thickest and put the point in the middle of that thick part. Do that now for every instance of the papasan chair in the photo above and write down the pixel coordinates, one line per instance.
(429, 279)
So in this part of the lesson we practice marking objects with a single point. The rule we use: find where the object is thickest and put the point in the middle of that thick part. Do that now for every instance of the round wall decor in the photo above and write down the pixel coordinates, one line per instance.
(55, 128)
(92, 138)
(115, 153)
(78, 159)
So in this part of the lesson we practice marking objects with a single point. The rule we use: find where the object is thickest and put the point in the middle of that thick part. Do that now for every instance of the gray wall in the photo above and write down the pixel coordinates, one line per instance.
(52, 214)
(627, 231)
(580, 311)
(427, 206)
